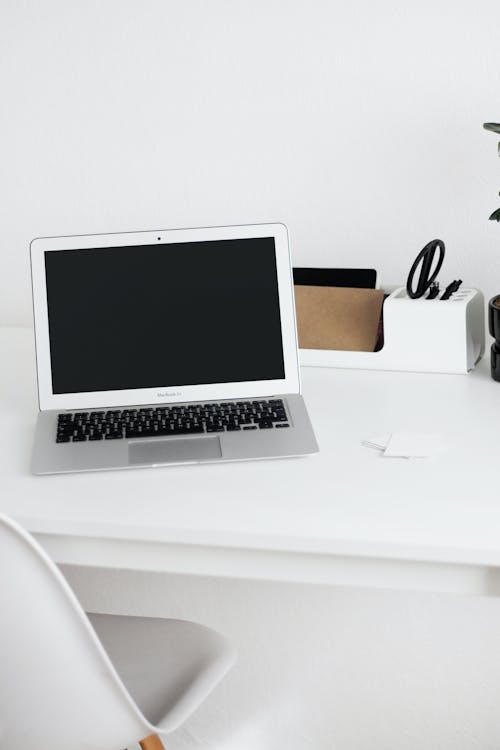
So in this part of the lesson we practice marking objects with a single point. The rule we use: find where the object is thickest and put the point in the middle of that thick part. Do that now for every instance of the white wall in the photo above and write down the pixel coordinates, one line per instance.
(358, 124)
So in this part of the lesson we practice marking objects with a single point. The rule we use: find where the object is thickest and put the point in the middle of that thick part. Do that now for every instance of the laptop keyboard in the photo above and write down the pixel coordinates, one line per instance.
(189, 419)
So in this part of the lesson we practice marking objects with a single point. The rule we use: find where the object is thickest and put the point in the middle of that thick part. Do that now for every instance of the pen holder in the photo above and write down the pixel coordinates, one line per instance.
(420, 335)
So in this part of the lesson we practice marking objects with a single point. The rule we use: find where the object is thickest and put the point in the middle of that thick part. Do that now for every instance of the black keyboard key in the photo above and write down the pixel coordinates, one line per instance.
(250, 427)
(282, 425)
(187, 430)
(63, 439)
(266, 425)
(79, 438)
(233, 427)
(96, 436)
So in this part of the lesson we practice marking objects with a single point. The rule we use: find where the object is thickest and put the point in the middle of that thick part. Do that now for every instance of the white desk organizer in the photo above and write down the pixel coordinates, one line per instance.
(420, 336)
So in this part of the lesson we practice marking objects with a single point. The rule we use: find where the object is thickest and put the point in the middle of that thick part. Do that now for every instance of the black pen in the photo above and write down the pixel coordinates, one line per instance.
(450, 289)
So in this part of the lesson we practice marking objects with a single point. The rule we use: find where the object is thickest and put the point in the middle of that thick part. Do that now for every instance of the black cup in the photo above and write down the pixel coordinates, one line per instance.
(494, 326)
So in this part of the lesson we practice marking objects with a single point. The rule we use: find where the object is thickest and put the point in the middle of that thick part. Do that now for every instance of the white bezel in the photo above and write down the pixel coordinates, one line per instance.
(176, 393)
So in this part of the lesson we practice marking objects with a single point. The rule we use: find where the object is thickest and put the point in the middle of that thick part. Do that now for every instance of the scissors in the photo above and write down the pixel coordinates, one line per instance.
(426, 279)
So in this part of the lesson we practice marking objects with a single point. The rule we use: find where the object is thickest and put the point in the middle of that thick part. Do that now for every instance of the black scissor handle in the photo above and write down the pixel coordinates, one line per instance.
(426, 257)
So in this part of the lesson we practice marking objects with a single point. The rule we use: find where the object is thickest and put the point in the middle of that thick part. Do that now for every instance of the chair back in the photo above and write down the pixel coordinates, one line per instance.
(58, 688)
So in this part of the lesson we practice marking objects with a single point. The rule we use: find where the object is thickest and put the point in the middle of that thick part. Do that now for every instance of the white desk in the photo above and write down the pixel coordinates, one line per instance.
(346, 516)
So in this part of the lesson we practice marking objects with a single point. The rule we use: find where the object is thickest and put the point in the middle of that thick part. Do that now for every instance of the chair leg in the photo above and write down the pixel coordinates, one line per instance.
(152, 742)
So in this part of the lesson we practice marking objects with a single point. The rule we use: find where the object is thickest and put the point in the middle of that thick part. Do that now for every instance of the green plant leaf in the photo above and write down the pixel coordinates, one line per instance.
(493, 126)
(495, 216)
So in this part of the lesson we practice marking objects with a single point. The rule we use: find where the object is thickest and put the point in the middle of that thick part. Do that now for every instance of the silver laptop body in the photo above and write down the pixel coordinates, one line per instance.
(166, 347)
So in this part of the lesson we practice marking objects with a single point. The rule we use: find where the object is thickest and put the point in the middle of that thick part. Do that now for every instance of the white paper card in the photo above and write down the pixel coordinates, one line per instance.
(379, 441)
(413, 445)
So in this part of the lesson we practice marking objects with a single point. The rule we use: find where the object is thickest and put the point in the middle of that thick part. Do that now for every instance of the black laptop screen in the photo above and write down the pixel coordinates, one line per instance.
(164, 315)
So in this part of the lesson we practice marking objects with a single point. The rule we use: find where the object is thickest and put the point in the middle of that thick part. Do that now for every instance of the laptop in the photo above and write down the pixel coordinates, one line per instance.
(166, 347)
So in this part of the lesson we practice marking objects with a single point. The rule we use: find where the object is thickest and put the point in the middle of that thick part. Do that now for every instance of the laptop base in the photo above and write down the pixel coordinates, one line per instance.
(50, 457)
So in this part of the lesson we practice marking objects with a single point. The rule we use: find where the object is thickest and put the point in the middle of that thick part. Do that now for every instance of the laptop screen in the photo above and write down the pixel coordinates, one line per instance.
(163, 315)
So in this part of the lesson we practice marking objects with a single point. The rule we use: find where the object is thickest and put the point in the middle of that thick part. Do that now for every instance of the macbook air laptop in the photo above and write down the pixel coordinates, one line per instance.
(166, 347)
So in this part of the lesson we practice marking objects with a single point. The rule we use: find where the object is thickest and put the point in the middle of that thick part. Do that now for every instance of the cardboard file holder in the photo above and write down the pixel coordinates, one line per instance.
(419, 335)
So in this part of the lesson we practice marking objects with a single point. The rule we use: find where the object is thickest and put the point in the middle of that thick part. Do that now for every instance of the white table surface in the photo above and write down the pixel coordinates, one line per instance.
(347, 516)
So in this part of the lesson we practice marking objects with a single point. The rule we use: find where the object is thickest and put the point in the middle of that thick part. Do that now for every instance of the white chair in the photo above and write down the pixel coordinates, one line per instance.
(63, 688)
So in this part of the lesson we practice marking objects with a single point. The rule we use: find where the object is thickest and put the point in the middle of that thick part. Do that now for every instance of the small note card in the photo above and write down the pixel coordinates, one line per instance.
(407, 444)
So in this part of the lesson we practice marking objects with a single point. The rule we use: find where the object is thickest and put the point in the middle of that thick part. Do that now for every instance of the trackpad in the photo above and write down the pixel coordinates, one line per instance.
(167, 451)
